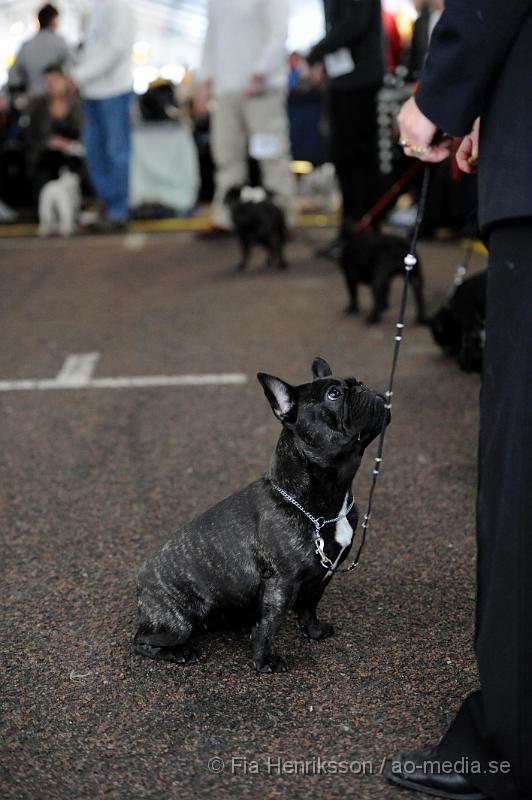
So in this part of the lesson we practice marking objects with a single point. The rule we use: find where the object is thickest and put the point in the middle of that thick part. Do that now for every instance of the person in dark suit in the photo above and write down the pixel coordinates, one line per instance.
(352, 53)
(452, 196)
(478, 66)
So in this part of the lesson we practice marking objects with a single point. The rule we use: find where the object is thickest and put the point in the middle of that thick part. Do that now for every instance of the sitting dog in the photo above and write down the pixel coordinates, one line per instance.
(257, 220)
(374, 259)
(256, 550)
(459, 325)
(59, 204)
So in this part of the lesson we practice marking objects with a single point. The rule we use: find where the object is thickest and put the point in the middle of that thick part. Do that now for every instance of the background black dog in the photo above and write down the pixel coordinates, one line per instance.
(257, 220)
(255, 550)
(374, 259)
(459, 325)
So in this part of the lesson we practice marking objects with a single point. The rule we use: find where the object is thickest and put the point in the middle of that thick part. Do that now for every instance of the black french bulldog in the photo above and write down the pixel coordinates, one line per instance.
(257, 220)
(375, 259)
(257, 551)
(459, 325)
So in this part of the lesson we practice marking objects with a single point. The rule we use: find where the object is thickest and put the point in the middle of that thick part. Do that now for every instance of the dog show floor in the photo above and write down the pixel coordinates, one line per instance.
(129, 404)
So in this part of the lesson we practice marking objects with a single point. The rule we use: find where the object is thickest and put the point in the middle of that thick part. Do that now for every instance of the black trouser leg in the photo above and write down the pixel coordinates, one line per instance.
(353, 119)
(496, 723)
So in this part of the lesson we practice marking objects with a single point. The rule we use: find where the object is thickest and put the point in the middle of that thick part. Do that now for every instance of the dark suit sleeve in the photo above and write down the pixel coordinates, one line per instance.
(467, 50)
(345, 32)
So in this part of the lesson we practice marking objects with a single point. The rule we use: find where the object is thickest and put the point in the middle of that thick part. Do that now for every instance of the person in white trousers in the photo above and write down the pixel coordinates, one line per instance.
(243, 83)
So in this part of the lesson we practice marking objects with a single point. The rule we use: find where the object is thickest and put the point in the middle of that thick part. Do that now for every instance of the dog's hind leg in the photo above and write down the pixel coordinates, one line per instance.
(245, 246)
(66, 215)
(379, 290)
(164, 645)
(46, 213)
(305, 607)
(352, 290)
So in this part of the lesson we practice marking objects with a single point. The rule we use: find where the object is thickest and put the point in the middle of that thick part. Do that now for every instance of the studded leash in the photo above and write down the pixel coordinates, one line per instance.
(410, 260)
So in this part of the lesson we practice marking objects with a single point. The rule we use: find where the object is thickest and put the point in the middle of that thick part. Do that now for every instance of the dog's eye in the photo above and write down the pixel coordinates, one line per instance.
(334, 393)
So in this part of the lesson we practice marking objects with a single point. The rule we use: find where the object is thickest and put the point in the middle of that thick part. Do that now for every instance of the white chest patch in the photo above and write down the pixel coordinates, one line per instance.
(344, 532)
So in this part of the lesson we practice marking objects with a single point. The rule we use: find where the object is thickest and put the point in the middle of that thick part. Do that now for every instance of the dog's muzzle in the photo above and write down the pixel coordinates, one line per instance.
(368, 411)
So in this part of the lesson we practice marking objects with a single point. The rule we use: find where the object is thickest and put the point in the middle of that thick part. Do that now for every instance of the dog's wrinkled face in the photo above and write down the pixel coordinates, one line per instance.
(331, 417)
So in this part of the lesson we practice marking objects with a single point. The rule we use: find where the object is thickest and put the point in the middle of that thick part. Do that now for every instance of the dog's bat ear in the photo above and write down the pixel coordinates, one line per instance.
(320, 368)
(281, 396)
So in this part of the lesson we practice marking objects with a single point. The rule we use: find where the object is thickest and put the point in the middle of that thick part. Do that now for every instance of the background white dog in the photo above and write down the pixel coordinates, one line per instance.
(59, 204)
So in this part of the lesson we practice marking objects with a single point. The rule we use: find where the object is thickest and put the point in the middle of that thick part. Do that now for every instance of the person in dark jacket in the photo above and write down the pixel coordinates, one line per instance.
(478, 66)
(352, 53)
(54, 130)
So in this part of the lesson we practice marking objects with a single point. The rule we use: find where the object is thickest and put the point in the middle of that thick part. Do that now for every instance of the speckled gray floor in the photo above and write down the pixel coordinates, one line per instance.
(93, 480)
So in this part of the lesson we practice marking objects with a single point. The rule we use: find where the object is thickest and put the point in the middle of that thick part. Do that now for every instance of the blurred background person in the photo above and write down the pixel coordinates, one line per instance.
(429, 13)
(105, 79)
(54, 130)
(305, 104)
(392, 38)
(352, 54)
(244, 72)
(43, 50)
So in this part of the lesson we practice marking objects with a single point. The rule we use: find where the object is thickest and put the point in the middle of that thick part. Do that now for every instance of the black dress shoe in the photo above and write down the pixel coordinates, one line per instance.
(423, 771)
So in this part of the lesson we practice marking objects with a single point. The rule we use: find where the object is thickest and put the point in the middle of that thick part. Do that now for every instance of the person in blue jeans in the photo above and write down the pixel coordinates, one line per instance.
(105, 79)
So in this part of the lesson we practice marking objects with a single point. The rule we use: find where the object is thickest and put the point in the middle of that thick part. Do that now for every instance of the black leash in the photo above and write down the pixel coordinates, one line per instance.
(410, 261)
(387, 197)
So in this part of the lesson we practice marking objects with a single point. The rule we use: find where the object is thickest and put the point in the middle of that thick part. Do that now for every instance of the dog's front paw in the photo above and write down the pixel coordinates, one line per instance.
(182, 655)
(270, 663)
(373, 318)
(317, 630)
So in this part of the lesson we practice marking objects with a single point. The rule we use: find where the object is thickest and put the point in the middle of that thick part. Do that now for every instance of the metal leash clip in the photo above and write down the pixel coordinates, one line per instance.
(319, 523)
(325, 561)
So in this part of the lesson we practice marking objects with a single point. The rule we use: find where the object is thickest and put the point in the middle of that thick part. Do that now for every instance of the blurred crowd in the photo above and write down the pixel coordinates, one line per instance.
(71, 124)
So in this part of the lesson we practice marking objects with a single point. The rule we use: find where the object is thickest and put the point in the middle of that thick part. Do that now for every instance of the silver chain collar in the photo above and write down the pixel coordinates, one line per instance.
(318, 523)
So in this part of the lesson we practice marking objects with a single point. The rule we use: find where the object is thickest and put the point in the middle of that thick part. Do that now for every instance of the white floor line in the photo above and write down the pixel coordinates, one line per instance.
(77, 369)
(134, 382)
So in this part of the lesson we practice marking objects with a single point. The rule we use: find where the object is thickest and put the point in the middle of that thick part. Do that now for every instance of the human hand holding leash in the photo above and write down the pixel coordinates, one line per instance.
(467, 154)
(418, 135)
